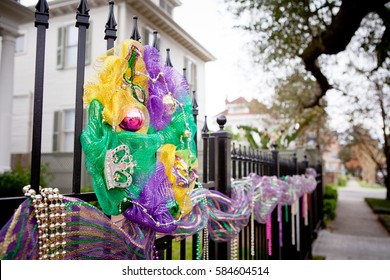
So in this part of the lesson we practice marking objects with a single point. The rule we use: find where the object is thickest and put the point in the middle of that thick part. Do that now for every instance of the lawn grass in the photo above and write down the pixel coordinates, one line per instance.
(176, 249)
(318, 258)
(379, 206)
(382, 208)
(368, 186)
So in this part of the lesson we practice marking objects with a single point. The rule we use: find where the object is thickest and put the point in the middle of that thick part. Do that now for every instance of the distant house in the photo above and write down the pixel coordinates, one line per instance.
(253, 113)
(60, 70)
(331, 160)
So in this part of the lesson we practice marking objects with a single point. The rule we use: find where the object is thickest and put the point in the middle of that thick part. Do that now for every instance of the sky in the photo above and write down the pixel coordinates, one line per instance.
(231, 75)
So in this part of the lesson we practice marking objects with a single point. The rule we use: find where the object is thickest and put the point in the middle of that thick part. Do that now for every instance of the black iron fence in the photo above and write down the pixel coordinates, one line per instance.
(222, 162)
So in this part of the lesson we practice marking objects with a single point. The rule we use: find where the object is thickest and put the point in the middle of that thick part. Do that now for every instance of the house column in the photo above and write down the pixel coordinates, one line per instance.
(6, 92)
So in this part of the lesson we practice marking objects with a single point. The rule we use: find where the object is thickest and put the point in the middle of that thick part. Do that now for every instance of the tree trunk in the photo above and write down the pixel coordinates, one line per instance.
(387, 175)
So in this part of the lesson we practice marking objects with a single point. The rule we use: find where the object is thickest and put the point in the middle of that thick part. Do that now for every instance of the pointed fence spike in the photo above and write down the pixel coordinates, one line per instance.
(111, 22)
(83, 8)
(194, 102)
(135, 35)
(168, 61)
(185, 73)
(110, 31)
(42, 7)
(205, 128)
(234, 152)
(155, 41)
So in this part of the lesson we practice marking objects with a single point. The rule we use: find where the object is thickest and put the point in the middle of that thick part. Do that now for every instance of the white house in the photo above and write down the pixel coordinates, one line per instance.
(60, 69)
(254, 114)
(12, 15)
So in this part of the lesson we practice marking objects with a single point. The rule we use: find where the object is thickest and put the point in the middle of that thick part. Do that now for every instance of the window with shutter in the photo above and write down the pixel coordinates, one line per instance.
(190, 66)
(63, 130)
(56, 131)
(60, 48)
(67, 44)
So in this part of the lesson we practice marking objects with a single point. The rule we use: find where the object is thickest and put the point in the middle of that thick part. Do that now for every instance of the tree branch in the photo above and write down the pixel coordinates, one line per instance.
(335, 39)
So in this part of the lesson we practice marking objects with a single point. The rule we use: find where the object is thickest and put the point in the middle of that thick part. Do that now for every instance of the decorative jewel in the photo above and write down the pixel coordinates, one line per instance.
(181, 172)
(119, 167)
(169, 104)
(134, 120)
(187, 133)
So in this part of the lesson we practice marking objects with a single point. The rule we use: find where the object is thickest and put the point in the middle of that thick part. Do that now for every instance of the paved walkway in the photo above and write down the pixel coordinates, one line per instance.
(356, 233)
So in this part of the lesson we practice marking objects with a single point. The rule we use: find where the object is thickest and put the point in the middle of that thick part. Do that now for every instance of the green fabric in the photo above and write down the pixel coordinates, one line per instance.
(98, 138)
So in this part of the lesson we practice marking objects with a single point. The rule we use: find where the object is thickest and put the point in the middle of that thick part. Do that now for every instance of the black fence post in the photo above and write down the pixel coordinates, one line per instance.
(110, 31)
(41, 23)
(276, 250)
(223, 180)
(82, 23)
(234, 161)
(195, 237)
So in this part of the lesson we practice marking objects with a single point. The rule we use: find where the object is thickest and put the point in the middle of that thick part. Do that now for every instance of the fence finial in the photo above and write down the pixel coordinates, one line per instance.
(111, 22)
(205, 128)
(42, 14)
(155, 40)
(234, 151)
(42, 7)
(275, 145)
(110, 31)
(194, 102)
(221, 121)
(168, 61)
(83, 7)
(135, 35)
(82, 17)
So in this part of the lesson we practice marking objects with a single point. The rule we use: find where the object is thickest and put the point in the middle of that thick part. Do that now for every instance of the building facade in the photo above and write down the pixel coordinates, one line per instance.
(12, 16)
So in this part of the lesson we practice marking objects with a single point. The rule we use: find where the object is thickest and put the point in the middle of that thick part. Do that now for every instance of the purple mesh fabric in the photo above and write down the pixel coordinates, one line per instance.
(154, 198)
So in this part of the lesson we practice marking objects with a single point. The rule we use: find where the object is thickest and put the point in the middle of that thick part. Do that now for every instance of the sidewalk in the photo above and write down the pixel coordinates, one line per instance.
(355, 234)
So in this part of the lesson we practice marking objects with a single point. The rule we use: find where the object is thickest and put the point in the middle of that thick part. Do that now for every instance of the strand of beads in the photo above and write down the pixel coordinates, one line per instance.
(253, 252)
(145, 210)
(127, 202)
(155, 253)
(205, 238)
(198, 245)
(234, 249)
(50, 214)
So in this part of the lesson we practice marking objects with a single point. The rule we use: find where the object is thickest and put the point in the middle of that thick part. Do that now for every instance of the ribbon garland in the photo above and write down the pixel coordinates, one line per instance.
(91, 235)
